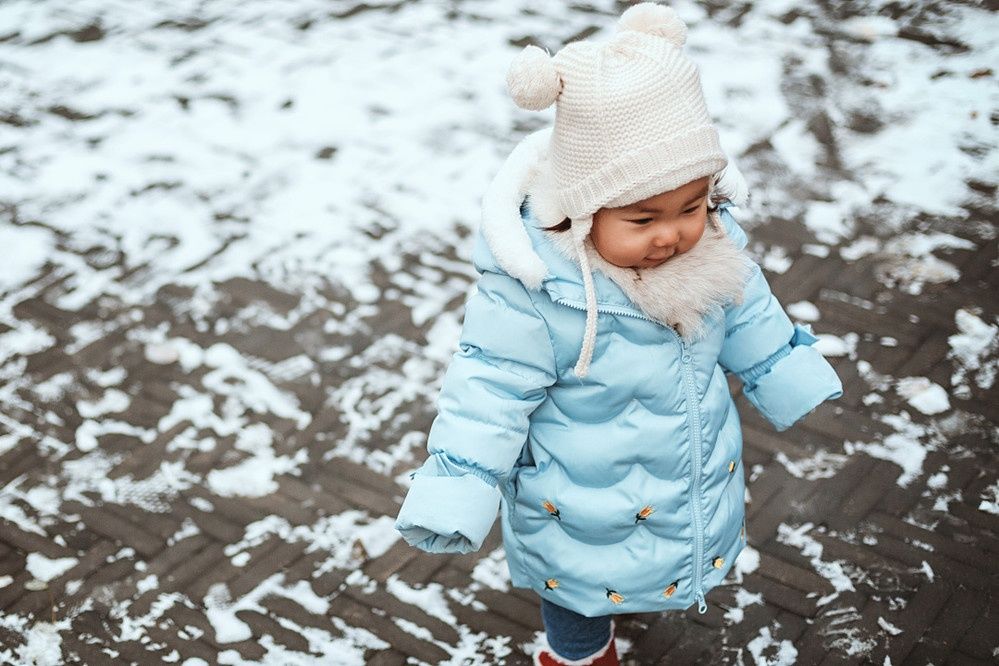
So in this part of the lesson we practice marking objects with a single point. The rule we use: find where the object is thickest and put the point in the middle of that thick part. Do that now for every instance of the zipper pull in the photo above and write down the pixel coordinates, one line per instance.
(702, 605)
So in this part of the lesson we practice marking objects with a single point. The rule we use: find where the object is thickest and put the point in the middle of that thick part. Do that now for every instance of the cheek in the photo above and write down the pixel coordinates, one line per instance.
(695, 232)
(626, 245)
(618, 245)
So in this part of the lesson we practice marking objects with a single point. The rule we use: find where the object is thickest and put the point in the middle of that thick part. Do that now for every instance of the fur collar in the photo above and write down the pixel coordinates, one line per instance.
(684, 291)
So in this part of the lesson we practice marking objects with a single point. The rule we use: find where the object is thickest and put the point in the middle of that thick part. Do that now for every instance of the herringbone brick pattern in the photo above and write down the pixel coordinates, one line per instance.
(851, 564)
(206, 427)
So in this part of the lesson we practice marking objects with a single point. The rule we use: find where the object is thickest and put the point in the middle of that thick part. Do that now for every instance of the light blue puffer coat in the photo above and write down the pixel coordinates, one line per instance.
(623, 491)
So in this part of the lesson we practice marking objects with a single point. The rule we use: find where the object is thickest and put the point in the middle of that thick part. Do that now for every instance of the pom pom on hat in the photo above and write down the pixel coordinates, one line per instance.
(532, 80)
(654, 19)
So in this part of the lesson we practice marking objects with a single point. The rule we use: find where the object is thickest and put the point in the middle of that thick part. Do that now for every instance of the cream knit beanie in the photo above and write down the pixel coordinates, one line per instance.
(630, 123)
(630, 118)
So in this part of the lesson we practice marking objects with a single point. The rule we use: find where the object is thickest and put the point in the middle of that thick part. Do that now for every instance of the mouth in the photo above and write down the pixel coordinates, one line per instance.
(662, 258)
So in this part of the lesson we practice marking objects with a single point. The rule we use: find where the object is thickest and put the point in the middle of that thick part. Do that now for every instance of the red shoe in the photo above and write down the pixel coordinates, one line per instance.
(605, 656)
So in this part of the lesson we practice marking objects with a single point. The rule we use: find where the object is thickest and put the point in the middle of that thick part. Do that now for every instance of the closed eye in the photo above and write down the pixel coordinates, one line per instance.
(646, 220)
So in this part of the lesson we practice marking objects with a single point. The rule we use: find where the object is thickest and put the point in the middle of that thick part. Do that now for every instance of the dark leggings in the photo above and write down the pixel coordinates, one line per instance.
(572, 635)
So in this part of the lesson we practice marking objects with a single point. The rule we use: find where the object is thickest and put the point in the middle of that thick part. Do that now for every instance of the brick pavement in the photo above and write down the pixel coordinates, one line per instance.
(917, 580)
(127, 537)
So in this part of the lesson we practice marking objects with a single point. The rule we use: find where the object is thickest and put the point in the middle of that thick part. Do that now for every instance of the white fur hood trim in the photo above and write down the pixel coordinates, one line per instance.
(501, 222)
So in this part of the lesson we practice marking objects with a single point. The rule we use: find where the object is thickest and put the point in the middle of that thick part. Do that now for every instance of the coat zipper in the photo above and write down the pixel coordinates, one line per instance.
(694, 417)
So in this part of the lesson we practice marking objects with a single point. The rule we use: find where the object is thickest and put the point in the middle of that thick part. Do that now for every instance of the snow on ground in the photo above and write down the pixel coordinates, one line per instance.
(156, 155)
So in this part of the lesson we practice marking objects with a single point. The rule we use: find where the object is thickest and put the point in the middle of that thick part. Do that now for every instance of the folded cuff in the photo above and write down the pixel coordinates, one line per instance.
(799, 381)
(448, 514)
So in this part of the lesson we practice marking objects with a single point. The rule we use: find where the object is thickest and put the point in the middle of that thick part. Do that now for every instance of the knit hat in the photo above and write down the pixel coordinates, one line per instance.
(630, 123)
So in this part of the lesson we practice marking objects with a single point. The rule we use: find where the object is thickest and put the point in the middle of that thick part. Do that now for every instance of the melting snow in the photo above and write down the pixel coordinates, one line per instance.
(783, 652)
(974, 352)
(45, 569)
(924, 395)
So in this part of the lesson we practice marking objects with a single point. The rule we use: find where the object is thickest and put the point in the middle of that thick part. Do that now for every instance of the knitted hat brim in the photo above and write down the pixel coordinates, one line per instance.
(658, 167)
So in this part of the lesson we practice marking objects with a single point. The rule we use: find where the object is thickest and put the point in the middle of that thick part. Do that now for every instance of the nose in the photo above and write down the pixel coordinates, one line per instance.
(666, 237)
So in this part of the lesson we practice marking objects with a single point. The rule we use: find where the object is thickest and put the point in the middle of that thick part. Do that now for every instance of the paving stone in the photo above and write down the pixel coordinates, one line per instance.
(941, 566)
(979, 641)
(944, 635)
(396, 608)
(394, 559)
(356, 614)
(87, 567)
(160, 525)
(287, 609)
(261, 624)
(867, 490)
(423, 568)
(781, 596)
(30, 542)
(963, 659)
(359, 495)
(194, 567)
(312, 496)
(944, 547)
(790, 574)
(922, 611)
(657, 641)
(385, 658)
(264, 566)
(19, 460)
(211, 524)
(111, 526)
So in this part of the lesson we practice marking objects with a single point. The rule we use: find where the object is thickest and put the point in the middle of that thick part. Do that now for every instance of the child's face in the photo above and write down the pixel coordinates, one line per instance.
(650, 231)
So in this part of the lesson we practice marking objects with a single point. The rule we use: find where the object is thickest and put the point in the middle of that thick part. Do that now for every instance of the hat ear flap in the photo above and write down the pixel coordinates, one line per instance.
(654, 19)
(532, 80)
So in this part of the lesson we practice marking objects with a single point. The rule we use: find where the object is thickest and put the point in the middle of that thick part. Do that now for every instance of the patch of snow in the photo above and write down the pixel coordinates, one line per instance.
(775, 259)
(747, 561)
(816, 250)
(255, 476)
(493, 571)
(860, 247)
(832, 345)
(888, 626)
(974, 353)
(906, 447)
(743, 598)
(430, 598)
(990, 499)
(45, 569)
(926, 396)
(822, 465)
(832, 571)
(780, 653)
(113, 401)
(803, 311)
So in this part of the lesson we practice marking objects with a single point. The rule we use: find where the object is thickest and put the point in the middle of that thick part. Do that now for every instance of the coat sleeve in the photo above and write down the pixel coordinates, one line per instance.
(494, 382)
(783, 376)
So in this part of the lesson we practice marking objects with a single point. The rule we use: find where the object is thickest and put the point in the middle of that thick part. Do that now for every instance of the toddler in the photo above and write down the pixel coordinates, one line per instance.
(589, 400)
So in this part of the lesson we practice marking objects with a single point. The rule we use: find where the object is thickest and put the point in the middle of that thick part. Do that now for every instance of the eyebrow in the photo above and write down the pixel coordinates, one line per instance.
(692, 199)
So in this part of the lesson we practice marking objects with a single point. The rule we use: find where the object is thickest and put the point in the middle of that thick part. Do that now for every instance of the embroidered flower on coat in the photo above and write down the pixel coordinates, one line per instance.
(644, 513)
(551, 509)
(668, 592)
(615, 597)
(551, 584)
